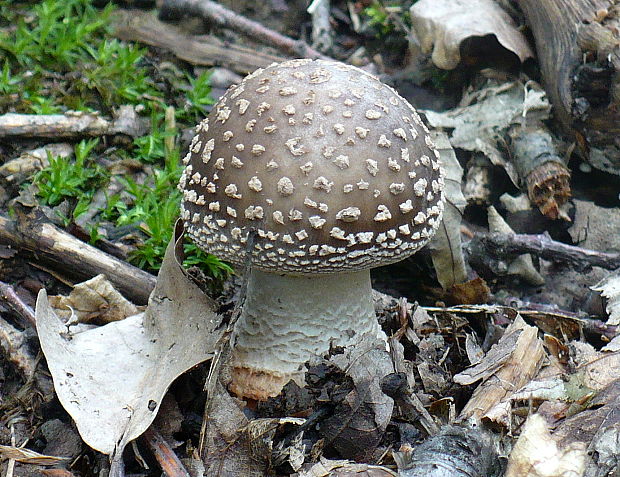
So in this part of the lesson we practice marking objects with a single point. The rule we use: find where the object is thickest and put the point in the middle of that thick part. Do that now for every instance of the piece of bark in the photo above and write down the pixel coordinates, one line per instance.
(458, 451)
(540, 168)
(51, 245)
(71, 125)
(15, 350)
(524, 360)
(204, 50)
(222, 17)
(580, 64)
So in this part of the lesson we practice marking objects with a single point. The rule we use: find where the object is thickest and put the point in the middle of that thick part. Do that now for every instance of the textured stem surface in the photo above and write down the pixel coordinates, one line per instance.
(286, 320)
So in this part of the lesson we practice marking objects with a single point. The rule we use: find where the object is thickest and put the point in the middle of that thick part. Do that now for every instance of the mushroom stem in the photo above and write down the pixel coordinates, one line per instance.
(287, 319)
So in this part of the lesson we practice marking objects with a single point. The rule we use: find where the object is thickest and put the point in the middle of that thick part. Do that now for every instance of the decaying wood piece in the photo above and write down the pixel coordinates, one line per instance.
(580, 63)
(72, 124)
(11, 298)
(522, 355)
(204, 50)
(541, 169)
(503, 246)
(222, 17)
(63, 251)
(477, 187)
(322, 31)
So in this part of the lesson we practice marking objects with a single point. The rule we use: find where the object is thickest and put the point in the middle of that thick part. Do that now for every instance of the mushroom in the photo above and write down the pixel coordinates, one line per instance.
(313, 172)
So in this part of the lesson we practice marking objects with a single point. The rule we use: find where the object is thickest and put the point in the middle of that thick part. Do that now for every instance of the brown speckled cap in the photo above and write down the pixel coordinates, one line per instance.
(328, 168)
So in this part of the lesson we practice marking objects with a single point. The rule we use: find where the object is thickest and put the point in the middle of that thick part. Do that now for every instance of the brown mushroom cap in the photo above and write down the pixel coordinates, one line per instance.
(329, 168)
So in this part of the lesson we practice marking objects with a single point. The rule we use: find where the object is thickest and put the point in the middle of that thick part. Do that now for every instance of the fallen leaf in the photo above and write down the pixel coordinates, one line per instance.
(360, 419)
(27, 456)
(446, 250)
(92, 300)
(481, 126)
(111, 379)
(443, 25)
(536, 454)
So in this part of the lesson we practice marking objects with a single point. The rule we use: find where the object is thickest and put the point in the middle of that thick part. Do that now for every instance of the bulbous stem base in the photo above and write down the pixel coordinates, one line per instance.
(286, 320)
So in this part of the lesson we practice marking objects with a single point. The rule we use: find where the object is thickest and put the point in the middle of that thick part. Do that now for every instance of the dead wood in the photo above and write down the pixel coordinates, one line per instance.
(222, 17)
(322, 31)
(580, 62)
(163, 453)
(10, 297)
(485, 247)
(50, 245)
(204, 50)
(72, 124)
(478, 181)
(540, 168)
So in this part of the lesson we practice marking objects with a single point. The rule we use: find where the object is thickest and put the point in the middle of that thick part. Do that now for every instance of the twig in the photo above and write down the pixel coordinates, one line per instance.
(71, 124)
(225, 18)
(53, 245)
(198, 50)
(503, 245)
(165, 456)
(7, 294)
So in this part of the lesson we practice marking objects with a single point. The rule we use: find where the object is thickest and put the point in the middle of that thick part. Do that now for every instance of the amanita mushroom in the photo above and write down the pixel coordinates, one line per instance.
(314, 172)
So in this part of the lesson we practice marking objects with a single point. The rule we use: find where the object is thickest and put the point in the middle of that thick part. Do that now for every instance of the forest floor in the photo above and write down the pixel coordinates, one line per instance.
(503, 333)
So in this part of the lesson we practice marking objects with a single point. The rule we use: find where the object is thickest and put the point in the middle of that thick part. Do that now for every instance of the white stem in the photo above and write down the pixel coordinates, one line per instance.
(286, 320)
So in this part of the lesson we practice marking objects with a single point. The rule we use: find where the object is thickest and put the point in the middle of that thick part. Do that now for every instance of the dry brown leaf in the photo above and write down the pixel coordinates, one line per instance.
(112, 378)
(521, 266)
(443, 25)
(445, 246)
(359, 421)
(27, 456)
(92, 300)
(344, 468)
(536, 454)
(227, 448)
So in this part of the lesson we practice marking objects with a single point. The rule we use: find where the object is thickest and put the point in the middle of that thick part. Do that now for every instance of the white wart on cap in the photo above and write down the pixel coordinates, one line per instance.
(331, 169)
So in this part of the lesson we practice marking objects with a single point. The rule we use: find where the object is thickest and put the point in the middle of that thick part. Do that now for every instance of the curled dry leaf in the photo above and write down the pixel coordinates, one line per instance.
(93, 300)
(482, 125)
(445, 247)
(344, 468)
(111, 379)
(443, 25)
(536, 454)
(226, 448)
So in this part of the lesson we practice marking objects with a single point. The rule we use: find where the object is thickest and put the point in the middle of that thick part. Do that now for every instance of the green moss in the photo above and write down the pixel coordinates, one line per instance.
(57, 55)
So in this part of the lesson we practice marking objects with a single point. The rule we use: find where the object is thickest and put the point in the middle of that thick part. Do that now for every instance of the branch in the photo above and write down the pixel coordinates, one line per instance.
(503, 245)
(225, 18)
